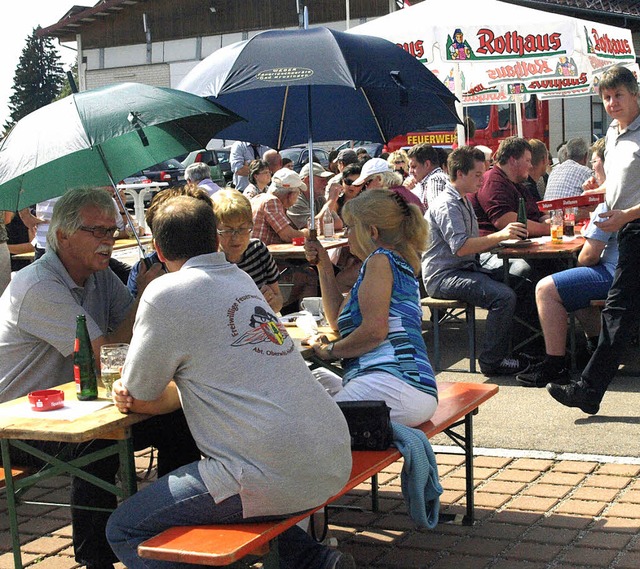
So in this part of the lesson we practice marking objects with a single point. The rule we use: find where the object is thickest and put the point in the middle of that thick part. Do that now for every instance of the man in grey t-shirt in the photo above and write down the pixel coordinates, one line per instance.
(273, 441)
(37, 330)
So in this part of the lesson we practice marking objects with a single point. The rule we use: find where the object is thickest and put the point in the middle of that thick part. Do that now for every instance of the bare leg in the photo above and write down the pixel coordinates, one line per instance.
(553, 317)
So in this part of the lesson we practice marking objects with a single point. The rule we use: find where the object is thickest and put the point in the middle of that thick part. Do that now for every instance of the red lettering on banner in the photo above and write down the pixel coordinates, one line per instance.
(558, 84)
(521, 69)
(612, 46)
(415, 48)
(513, 42)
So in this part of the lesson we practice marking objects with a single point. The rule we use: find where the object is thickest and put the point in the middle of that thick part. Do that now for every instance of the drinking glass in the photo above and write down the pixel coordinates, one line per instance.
(112, 358)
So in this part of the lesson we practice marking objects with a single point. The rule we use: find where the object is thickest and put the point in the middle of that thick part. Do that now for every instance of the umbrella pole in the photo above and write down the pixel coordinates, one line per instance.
(121, 204)
(313, 233)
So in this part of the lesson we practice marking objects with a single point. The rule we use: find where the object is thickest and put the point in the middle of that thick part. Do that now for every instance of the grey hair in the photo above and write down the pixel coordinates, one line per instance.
(281, 191)
(197, 172)
(67, 212)
(577, 149)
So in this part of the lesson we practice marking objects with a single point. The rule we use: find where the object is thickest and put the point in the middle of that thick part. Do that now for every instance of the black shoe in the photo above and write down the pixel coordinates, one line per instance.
(538, 375)
(342, 561)
(508, 366)
(529, 358)
(575, 395)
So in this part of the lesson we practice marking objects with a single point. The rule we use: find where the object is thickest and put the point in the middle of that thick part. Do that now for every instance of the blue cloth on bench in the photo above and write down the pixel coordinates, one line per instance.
(419, 479)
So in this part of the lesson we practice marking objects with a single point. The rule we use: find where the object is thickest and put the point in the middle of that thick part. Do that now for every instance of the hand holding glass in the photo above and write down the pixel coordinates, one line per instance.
(112, 358)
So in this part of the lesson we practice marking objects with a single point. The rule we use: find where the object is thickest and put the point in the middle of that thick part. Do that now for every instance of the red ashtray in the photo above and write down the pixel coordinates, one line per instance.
(298, 241)
(46, 399)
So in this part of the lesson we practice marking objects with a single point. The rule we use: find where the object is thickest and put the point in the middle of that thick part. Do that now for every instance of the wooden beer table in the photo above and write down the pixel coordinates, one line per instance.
(542, 249)
(281, 251)
(18, 429)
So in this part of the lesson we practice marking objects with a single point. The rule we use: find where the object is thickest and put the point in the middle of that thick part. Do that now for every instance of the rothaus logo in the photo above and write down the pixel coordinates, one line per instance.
(605, 44)
(516, 44)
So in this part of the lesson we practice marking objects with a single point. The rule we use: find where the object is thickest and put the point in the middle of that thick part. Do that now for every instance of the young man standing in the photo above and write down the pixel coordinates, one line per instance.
(619, 91)
(450, 266)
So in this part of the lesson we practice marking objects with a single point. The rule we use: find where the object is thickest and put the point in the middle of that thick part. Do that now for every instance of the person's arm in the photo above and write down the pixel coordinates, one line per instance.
(374, 298)
(475, 245)
(618, 218)
(332, 297)
(534, 228)
(591, 252)
(30, 220)
(19, 248)
(168, 401)
(273, 296)
(238, 163)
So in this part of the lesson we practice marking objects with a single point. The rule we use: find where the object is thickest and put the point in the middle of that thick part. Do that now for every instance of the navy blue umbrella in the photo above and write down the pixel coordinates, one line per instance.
(293, 85)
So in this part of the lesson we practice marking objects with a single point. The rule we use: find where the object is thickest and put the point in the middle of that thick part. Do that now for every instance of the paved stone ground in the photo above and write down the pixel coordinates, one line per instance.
(531, 513)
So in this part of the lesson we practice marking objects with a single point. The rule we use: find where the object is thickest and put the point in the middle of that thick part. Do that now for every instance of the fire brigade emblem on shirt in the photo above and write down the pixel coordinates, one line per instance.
(265, 328)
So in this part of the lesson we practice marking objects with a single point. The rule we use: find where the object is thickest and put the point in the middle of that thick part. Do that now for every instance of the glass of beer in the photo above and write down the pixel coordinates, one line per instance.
(112, 358)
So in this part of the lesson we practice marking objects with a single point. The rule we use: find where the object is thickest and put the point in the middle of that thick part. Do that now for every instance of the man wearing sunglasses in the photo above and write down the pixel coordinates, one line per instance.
(37, 331)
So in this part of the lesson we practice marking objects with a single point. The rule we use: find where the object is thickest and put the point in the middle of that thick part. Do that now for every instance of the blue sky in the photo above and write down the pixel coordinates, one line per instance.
(30, 14)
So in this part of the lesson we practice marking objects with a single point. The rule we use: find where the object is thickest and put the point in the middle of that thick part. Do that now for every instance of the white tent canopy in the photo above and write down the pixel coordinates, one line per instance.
(488, 51)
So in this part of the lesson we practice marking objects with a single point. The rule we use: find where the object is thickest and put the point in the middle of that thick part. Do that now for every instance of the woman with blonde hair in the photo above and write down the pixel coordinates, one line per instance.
(233, 214)
(399, 162)
(380, 320)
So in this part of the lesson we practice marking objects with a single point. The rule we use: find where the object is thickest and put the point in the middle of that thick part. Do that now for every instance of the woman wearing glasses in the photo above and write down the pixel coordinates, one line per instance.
(233, 214)
(399, 162)
(259, 178)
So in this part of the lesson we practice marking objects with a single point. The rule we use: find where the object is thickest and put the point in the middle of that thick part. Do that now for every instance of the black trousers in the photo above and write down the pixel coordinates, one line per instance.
(168, 433)
(620, 315)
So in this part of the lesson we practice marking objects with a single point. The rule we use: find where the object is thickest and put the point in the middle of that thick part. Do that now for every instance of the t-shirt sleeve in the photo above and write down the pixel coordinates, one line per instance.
(497, 200)
(593, 231)
(147, 371)
(449, 218)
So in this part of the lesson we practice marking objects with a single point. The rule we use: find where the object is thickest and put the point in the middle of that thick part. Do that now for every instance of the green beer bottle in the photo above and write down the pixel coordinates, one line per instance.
(522, 212)
(84, 364)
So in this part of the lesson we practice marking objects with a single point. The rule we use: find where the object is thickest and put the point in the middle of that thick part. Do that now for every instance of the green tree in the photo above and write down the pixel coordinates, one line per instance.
(66, 87)
(38, 78)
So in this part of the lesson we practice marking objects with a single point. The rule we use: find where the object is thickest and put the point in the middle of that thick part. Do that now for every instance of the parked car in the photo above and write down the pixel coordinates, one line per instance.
(211, 158)
(374, 149)
(299, 155)
(170, 171)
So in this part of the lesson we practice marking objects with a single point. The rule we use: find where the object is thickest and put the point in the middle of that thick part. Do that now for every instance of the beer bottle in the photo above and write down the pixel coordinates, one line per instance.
(522, 212)
(84, 364)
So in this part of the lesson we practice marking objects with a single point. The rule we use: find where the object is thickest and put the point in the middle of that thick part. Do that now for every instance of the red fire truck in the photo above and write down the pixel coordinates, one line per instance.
(492, 124)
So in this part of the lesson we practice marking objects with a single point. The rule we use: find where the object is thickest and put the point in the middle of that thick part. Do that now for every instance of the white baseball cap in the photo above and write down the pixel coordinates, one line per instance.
(287, 178)
(371, 167)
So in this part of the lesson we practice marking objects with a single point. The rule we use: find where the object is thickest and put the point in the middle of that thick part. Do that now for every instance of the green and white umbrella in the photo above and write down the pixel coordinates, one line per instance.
(98, 137)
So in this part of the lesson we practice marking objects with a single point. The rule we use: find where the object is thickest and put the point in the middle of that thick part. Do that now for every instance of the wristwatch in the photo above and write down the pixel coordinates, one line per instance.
(329, 348)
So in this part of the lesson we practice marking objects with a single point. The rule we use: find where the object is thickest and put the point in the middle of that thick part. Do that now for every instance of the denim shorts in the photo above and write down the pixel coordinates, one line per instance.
(578, 287)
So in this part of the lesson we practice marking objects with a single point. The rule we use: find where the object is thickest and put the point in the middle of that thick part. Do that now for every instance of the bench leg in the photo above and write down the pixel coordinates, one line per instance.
(11, 505)
(471, 330)
(375, 499)
(436, 339)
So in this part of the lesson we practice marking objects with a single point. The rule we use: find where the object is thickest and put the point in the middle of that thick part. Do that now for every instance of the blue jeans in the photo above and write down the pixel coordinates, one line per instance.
(483, 290)
(181, 498)
(620, 314)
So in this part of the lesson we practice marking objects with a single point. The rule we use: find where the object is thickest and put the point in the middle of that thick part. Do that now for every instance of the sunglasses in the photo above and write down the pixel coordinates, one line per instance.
(347, 181)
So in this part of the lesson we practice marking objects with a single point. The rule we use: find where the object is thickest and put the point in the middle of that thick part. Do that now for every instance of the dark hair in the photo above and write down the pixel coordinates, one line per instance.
(351, 170)
(511, 147)
(423, 152)
(539, 151)
(192, 190)
(185, 227)
(463, 160)
(618, 76)
(255, 166)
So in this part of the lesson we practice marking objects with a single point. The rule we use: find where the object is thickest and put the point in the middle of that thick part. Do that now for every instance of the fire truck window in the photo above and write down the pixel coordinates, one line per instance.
(504, 116)
(531, 108)
(480, 115)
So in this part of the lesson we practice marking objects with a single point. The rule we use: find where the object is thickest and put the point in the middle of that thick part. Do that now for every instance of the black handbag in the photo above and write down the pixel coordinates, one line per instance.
(369, 424)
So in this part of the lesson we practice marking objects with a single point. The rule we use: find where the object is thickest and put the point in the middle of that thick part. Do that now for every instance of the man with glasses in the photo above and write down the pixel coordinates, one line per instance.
(37, 331)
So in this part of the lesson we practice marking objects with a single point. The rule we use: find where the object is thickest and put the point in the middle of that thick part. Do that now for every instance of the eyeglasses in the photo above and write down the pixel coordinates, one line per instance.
(264, 172)
(238, 231)
(347, 181)
(399, 162)
(595, 161)
(99, 232)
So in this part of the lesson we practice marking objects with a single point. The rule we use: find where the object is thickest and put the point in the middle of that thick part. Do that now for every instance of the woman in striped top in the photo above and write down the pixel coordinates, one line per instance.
(380, 320)
(233, 214)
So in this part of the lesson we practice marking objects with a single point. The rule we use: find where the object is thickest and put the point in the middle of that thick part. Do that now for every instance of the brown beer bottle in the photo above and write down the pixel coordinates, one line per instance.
(84, 364)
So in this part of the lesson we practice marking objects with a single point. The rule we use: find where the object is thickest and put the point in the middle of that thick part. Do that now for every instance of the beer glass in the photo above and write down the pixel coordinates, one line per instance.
(112, 358)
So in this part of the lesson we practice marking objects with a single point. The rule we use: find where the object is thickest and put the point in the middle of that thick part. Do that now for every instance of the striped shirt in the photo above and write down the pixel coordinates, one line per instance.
(403, 353)
(258, 263)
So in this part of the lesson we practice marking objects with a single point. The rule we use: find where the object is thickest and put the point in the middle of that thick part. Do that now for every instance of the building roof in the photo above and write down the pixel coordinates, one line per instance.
(624, 13)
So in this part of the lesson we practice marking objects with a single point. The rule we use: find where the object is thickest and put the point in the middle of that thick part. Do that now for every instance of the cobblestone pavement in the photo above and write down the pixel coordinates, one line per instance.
(530, 513)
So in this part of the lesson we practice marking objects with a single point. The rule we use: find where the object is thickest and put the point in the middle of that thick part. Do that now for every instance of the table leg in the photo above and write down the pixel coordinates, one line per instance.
(127, 465)
(11, 504)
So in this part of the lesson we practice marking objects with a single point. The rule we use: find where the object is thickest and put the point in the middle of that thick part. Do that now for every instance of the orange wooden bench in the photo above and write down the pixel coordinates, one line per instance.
(221, 545)
(17, 472)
